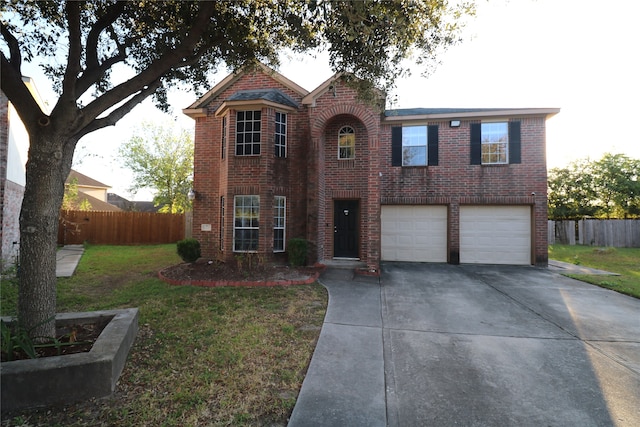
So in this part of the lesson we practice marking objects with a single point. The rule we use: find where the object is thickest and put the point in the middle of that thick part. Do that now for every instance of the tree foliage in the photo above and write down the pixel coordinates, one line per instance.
(161, 159)
(72, 199)
(605, 188)
(105, 57)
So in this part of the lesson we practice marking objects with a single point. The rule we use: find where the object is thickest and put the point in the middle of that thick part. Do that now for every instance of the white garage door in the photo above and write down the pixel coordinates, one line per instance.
(495, 234)
(414, 233)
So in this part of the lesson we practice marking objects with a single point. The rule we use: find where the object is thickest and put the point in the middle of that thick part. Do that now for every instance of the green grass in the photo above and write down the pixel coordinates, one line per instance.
(203, 356)
(624, 261)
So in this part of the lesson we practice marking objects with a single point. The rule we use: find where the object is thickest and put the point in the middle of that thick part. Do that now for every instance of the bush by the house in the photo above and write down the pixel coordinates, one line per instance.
(297, 249)
(189, 250)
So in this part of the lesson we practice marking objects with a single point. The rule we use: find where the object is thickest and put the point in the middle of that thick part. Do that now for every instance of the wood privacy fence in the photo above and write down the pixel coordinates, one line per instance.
(119, 228)
(620, 233)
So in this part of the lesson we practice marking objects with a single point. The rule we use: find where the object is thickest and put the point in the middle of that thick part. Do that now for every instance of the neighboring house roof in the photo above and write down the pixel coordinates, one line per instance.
(96, 204)
(467, 113)
(84, 181)
(129, 205)
(198, 108)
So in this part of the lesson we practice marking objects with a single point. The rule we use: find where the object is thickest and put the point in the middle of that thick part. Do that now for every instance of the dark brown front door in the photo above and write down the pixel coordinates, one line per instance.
(345, 229)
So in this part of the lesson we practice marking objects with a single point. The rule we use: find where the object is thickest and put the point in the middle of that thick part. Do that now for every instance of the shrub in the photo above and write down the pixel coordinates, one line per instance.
(189, 250)
(297, 249)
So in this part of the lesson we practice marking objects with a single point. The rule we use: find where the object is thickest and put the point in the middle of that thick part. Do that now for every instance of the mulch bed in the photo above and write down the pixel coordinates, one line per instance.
(71, 339)
(204, 273)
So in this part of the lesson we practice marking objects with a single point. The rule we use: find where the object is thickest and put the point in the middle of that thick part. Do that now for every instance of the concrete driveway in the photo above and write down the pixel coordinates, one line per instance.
(444, 345)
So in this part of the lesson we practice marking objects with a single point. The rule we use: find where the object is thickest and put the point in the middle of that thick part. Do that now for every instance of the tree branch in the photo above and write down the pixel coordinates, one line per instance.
(113, 12)
(15, 56)
(68, 97)
(121, 111)
(178, 57)
(19, 94)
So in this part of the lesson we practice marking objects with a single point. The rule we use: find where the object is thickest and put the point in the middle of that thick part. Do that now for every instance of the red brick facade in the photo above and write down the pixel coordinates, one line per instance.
(315, 181)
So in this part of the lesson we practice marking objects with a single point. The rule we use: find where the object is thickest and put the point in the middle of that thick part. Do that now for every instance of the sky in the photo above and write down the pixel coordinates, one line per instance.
(579, 56)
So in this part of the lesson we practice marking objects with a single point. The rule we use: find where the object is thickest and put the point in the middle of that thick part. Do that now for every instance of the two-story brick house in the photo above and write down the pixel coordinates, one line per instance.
(273, 162)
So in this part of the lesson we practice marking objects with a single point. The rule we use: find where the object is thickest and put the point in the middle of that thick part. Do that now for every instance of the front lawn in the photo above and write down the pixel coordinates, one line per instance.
(202, 357)
(624, 261)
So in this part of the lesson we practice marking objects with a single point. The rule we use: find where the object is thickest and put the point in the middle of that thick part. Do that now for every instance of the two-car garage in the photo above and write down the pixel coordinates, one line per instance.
(488, 234)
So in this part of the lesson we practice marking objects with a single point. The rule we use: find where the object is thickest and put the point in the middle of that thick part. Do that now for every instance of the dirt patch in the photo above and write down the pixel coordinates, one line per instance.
(69, 339)
(226, 272)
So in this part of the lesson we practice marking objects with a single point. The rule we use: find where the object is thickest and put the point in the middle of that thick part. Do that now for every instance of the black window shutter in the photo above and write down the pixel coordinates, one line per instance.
(476, 144)
(396, 146)
(514, 142)
(432, 145)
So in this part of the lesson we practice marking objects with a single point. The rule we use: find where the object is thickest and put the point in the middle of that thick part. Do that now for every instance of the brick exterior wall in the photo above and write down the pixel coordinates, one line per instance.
(10, 195)
(313, 178)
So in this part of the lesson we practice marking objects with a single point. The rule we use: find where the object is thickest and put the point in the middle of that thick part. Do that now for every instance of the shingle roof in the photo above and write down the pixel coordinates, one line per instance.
(84, 180)
(425, 111)
(272, 95)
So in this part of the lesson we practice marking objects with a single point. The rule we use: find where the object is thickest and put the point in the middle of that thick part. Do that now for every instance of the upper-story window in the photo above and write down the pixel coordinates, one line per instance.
(346, 143)
(414, 145)
(248, 133)
(495, 143)
(224, 135)
(281, 135)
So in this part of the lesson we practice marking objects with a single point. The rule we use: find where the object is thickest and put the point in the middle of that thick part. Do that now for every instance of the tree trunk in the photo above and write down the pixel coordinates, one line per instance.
(49, 163)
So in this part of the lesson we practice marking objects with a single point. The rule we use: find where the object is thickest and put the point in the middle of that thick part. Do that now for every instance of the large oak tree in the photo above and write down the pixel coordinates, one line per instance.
(85, 47)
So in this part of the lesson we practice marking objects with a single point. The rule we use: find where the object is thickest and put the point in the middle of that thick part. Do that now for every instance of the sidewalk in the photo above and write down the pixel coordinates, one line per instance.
(67, 259)
(565, 267)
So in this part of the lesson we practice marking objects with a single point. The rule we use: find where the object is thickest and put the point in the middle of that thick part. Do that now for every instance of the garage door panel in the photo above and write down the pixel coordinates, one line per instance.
(414, 233)
(495, 235)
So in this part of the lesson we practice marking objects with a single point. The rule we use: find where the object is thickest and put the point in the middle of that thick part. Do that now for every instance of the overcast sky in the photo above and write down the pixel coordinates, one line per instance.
(580, 56)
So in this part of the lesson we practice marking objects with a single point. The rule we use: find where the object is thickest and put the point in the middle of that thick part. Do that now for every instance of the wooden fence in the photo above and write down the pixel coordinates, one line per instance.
(119, 228)
(620, 233)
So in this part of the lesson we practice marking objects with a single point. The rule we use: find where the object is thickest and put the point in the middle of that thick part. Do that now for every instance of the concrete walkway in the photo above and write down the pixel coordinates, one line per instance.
(444, 345)
(565, 267)
(67, 259)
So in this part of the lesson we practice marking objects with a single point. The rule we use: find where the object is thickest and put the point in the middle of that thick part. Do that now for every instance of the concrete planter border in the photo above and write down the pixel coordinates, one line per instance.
(68, 378)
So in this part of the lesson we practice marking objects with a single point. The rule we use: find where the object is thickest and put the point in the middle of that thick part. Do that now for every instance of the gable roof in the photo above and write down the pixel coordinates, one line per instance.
(272, 95)
(96, 204)
(404, 114)
(84, 181)
(327, 85)
(255, 98)
(198, 108)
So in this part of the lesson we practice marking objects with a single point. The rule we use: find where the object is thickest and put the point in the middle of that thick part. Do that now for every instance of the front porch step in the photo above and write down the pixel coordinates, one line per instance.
(344, 263)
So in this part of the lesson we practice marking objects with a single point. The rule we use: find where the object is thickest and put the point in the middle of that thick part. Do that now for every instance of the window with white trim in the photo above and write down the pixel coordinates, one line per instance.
(246, 215)
(248, 127)
(414, 145)
(346, 143)
(281, 135)
(221, 223)
(495, 143)
(279, 221)
(224, 135)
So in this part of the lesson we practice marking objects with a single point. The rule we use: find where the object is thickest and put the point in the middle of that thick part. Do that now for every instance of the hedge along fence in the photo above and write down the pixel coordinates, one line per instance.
(619, 233)
(119, 228)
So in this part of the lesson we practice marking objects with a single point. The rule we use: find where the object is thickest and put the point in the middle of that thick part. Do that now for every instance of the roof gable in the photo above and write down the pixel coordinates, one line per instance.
(84, 181)
(198, 108)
